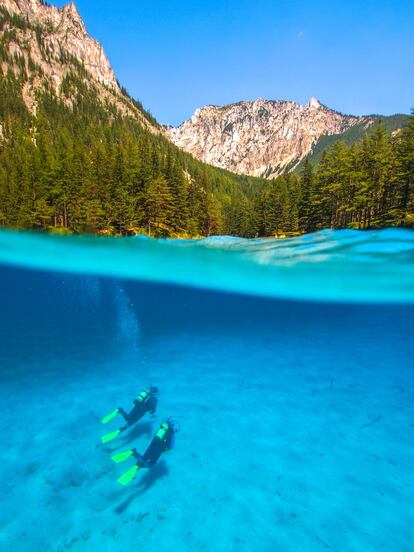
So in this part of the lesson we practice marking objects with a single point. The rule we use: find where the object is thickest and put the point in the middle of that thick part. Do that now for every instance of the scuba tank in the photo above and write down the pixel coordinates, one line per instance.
(162, 432)
(167, 430)
(144, 395)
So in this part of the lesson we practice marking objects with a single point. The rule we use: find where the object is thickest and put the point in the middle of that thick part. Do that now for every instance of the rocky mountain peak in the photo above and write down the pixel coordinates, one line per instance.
(49, 49)
(71, 9)
(314, 103)
(65, 31)
(71, 16)
(260, 138)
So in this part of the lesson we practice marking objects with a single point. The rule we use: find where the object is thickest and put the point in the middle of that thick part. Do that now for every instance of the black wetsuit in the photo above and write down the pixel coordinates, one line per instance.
(140, 408)
(156, 448)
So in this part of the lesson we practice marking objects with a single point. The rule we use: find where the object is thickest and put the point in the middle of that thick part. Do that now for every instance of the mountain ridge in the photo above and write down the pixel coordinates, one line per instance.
(262, 138)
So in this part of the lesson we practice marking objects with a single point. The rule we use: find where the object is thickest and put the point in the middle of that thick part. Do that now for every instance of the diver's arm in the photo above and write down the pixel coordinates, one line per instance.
(151, 405)
(171, 441)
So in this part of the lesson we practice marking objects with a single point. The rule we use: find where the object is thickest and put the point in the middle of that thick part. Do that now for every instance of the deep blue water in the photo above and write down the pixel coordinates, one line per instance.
(294, 392)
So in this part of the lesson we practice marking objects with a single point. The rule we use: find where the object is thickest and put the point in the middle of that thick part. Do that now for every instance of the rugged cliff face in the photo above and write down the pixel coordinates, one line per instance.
(65, 33)
(261, 138)
(42, 45)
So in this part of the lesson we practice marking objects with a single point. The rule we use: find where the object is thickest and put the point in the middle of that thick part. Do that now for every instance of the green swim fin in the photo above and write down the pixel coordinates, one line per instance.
(128, 476)
(109, 417)
(122, 456)
(110, 436)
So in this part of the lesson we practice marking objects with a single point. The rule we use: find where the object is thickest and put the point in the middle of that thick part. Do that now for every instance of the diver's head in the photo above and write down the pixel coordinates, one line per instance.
(173, 424)
(153, 390)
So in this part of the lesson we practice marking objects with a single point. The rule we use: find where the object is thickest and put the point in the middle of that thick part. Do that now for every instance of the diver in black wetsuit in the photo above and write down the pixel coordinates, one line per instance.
(163, 440)
(145, 402)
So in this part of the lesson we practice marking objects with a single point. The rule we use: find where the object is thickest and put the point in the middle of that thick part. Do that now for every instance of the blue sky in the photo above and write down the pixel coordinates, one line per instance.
(174, 56)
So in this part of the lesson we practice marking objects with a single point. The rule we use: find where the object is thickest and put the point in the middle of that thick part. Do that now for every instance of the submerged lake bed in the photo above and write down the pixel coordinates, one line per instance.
(294, 395)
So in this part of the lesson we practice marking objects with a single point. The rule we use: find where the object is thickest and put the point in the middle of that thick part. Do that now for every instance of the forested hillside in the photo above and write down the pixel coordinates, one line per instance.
(86, 158)
(391, 123)
(87, 169)
(369, 184)
(82, 160)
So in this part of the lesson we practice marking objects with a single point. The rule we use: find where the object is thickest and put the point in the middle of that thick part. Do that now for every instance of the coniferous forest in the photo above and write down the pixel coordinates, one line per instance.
(89, 171)
(79, 165)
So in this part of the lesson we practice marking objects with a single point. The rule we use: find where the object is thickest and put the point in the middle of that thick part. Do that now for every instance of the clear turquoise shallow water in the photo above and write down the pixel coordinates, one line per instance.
(289, 365)
(337, 266)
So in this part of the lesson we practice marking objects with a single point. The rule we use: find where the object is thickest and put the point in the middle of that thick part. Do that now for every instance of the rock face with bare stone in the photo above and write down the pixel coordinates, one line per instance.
(54, 44)
(261, 138)
(67, 34)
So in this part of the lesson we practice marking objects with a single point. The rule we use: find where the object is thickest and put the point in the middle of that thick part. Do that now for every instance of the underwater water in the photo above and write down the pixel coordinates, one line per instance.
(287, 363)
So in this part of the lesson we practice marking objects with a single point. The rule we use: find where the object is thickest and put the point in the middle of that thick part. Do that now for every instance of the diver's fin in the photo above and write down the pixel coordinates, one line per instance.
(110, 436)
(128, 476)
(122, 456)
(109, 417)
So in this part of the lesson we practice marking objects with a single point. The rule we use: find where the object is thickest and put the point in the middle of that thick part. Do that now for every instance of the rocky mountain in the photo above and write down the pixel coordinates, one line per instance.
(47, 44)
(261, 138)
(78, 154)
(67, 34)
(49, 49)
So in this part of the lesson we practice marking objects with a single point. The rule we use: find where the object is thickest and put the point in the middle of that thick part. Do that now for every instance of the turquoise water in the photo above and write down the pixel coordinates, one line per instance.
(288, 363)
(327, 266)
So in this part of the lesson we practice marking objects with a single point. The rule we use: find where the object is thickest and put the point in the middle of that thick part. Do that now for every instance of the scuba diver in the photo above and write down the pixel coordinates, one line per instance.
(163, 441)
(145, 401)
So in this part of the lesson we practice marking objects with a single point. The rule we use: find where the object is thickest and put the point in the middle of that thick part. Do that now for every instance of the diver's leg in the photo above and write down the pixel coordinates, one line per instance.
(153, 452)
(123, 413)
(136, 414)
(140, 460)
(113, 435)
